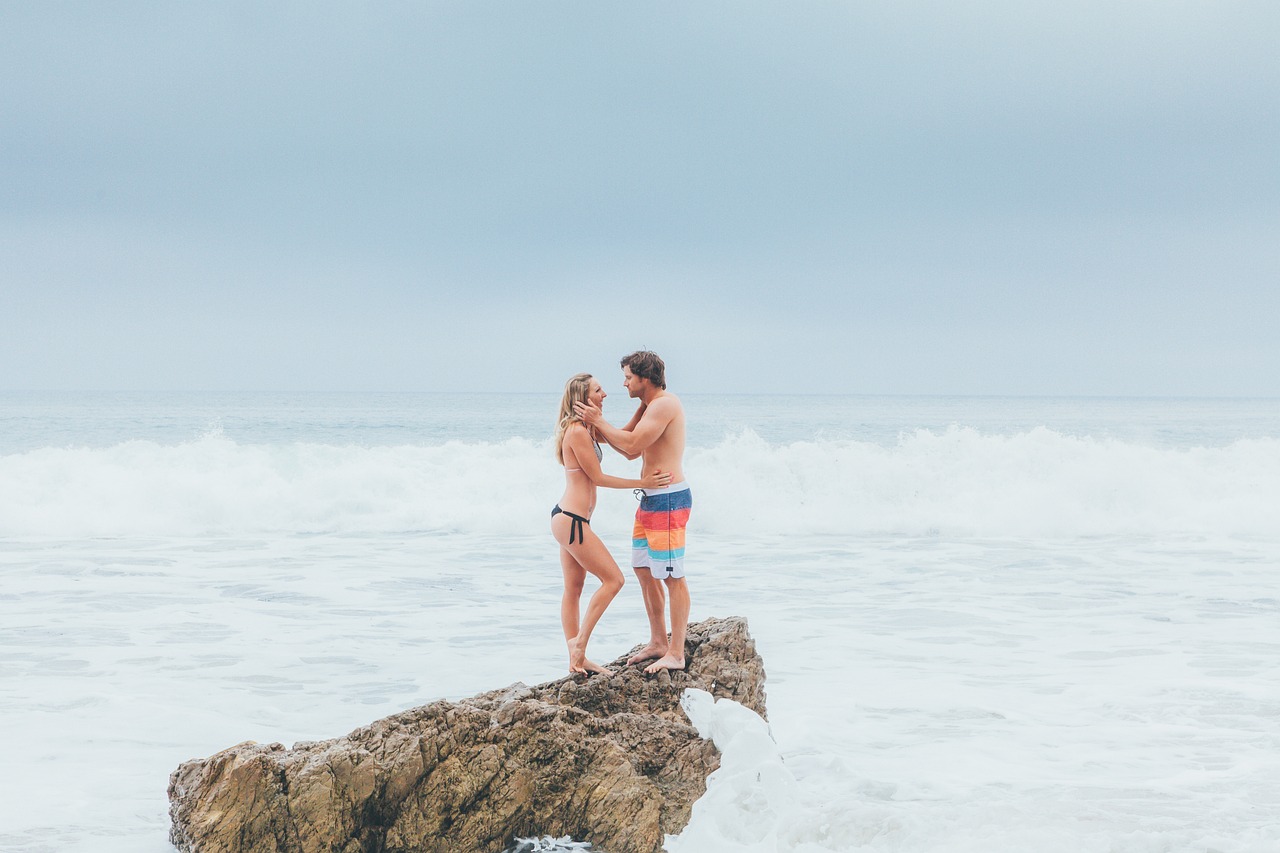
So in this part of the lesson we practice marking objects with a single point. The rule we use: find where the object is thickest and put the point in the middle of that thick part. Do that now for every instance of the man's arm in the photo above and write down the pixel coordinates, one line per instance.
(651, 423)
(580, 443)
(635, 418)
(630, 427)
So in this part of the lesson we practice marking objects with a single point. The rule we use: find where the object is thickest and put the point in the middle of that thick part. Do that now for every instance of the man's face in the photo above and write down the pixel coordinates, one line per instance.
(634, 384)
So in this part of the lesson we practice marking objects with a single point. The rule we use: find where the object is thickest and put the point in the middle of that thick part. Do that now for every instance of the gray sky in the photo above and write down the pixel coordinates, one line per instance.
(893, 197)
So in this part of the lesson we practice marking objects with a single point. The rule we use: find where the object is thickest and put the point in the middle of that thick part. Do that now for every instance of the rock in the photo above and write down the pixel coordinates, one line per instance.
(607, 759)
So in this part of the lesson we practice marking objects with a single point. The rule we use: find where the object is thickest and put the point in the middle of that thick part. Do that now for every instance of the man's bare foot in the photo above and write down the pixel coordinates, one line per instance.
(665, 662)
(649, 652)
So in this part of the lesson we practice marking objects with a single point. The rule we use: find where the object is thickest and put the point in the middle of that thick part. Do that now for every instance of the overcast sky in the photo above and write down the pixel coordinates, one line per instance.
(891, 197)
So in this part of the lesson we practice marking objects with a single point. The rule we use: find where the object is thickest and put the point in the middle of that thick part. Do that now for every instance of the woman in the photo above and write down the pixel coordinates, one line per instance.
(581, 550)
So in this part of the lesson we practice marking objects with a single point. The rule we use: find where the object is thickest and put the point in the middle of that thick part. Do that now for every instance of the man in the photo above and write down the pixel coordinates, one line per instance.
(656, 433)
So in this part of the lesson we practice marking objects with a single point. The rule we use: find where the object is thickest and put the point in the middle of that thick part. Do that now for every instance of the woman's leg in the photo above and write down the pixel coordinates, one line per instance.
(595, 558)
(574, 575)
(592, 556)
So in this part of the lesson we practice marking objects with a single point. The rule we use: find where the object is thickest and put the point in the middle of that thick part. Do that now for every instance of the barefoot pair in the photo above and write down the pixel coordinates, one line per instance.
(656, 433)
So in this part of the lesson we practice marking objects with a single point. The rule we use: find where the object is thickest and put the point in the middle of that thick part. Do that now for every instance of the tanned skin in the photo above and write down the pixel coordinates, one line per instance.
(582, 475)
(656, 433)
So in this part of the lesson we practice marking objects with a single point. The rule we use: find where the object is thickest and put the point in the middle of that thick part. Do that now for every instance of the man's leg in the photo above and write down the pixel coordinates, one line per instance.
(674, 658)
(655, 607)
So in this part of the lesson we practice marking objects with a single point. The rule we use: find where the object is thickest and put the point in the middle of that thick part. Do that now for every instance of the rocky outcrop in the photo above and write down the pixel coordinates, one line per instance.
(607, 759)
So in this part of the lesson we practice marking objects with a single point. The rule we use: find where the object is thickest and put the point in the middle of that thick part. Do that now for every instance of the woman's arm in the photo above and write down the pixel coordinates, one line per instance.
(577, 439)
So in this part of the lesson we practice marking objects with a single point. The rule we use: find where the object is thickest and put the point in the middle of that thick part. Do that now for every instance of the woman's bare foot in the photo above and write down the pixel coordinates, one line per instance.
(578, 662)
(649, 652)
(665, 662)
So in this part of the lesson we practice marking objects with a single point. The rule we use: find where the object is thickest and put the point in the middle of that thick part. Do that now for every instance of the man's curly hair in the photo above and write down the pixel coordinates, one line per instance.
(647, 365)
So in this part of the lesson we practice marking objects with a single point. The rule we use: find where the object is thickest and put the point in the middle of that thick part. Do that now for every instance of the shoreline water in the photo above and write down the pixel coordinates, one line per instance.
(999, 677)
(31, 420)
(955, 661)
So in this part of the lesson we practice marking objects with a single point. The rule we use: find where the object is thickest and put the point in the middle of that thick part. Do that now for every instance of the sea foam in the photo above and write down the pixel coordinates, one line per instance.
(952, 482)
(756, 802)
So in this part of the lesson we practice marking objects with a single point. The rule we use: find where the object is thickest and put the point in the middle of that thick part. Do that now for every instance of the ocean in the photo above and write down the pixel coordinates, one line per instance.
(1007, 625)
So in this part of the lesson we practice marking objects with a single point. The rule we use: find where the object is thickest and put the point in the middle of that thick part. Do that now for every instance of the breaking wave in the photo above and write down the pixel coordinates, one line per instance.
(952, 482)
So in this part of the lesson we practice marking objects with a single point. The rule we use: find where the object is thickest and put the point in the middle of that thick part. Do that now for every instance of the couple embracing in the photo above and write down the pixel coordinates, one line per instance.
(656, 434)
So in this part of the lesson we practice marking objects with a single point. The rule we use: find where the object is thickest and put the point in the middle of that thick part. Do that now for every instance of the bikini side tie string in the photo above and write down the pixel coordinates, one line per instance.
(575, 524)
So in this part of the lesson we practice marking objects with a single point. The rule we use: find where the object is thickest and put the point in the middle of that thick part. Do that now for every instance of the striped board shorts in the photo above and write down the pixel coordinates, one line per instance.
(657, 540)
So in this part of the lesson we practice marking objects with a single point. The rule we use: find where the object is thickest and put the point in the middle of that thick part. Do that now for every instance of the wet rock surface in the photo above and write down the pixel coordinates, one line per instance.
(609, 759)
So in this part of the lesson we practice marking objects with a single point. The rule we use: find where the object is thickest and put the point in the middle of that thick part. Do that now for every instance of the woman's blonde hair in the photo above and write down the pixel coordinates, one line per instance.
(576, 390)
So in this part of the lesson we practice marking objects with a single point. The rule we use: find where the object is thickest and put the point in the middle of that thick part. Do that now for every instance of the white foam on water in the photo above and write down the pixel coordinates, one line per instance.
(214, 485)
(757, 802)
(1103, 695)
(1110, 694)
(956, 482)
(1002, 641)
(962, 482)
(547, 844)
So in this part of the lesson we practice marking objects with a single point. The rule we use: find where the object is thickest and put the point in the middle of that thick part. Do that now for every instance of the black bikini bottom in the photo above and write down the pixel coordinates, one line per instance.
(575, 526)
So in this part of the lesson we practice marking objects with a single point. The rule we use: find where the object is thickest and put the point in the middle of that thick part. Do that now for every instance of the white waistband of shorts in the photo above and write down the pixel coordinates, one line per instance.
(674, 487)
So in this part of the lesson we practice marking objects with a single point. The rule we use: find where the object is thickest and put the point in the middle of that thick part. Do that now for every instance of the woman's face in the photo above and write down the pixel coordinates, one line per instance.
(595, 394)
